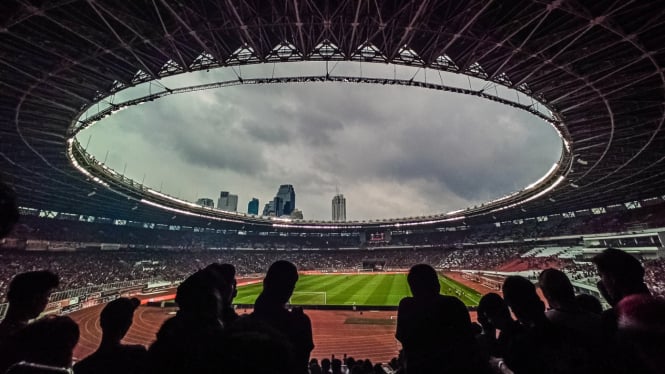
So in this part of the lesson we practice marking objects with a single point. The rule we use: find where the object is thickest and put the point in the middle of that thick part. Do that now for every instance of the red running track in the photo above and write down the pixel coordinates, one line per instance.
(331, 334)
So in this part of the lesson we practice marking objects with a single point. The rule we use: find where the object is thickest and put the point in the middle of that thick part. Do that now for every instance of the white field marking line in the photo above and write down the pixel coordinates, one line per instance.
(325, 295)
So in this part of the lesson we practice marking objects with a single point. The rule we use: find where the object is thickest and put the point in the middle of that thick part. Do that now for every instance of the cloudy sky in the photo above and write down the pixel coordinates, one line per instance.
(392, 151)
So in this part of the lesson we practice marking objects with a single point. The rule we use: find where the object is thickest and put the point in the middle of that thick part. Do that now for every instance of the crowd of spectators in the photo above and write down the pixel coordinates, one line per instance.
(437, 335)
(436, 332)
(582, 271)
(485, 258)
(655, 276)
(70, 228)
(95, 267)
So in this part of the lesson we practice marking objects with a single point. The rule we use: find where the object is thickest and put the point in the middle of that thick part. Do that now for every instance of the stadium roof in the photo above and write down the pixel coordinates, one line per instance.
(598, 65)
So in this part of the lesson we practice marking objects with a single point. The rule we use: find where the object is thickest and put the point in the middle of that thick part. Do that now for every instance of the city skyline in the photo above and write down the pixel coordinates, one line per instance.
(230, 201)
(420, 153)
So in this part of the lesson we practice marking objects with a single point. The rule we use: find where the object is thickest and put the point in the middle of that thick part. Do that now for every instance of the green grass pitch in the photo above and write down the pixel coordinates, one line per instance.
(361, 289)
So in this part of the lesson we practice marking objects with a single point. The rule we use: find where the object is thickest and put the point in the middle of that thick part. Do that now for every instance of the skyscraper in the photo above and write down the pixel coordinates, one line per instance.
(253, 206)
(339, 208)
(269, 209)
(285, 200)
(227, 201)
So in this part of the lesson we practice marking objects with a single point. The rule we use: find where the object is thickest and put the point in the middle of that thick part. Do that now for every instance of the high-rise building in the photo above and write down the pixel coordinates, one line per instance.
(283, 203)
(205, 202)
(285, 200)
(278, 206)
(253, 206)
(227, 201)
(339, 208)
(269, 209)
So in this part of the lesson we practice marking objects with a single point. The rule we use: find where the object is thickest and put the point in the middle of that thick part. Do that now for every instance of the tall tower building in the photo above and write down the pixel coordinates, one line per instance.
(339, 208)
(285, 200)
(269, 209)
(253, 206)
(227, 201)
(278, 206)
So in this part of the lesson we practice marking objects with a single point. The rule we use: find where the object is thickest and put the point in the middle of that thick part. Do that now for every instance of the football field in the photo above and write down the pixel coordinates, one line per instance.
(357, 289)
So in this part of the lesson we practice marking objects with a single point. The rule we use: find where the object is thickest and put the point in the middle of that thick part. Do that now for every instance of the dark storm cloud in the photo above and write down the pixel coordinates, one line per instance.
(476, 150)
(392, 151)
(232, 155)
(317, 129)
(472, 159)
(201, 131)
(291, 123)
(266, 134)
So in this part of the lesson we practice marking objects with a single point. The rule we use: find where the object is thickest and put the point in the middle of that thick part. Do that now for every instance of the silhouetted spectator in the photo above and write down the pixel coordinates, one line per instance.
(9, 214)
(589, 303)
(367, 366)
(641, 324)
(336, 366)
(314, 367)
(253, 347)
(542, 348)
(435, 330)
(325, 366)
(378, 369)
(621, 275)
(349, 362)
(49, 341)
(493, 314)
(112, 356)
(270, 306)
(564, 310)
(28, 296)
(228, 290)
(192, 341)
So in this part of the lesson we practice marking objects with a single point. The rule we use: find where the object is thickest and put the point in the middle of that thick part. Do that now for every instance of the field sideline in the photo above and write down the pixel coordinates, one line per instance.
(357, 289)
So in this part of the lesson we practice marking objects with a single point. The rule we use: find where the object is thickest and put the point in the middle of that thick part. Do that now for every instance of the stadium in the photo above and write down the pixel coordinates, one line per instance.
(595, 71)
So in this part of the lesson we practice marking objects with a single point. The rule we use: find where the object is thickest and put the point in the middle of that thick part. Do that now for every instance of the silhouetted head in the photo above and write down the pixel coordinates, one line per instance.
(589, 303)
(29, 292)
(227, 286)
(9, 209)
(325, 365)
(117, 316)
(280, 281)
(557, 288)
(641, 322)
(198, 295)
(423, 281)
(49, 341)
(520, 294)
(620, 275)
(336, 366)
(494, 310)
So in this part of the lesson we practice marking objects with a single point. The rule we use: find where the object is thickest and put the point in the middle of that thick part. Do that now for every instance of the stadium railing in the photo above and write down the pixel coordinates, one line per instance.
(67, 294)
(76, 299)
